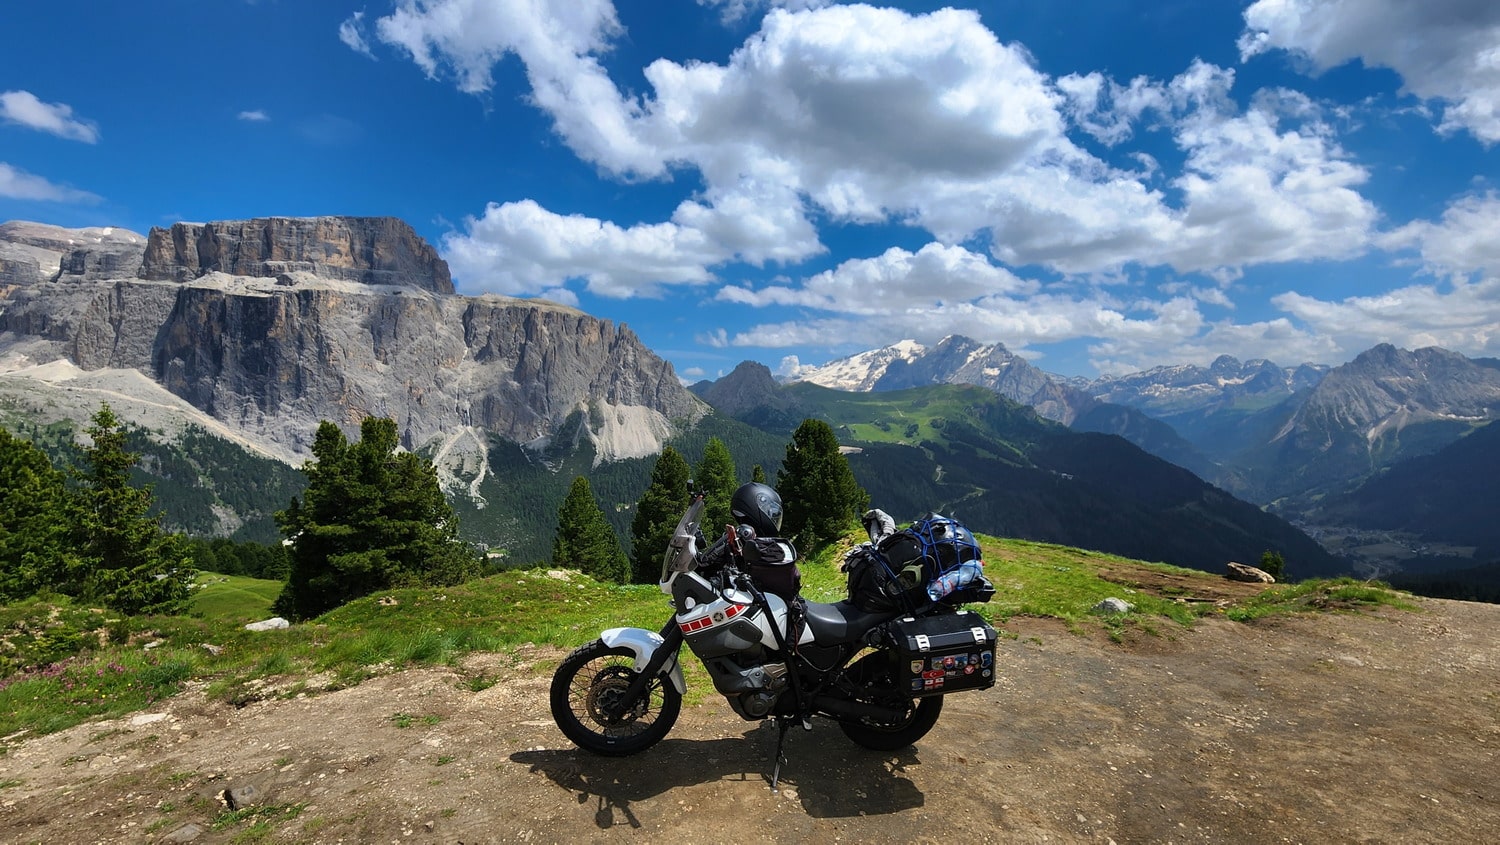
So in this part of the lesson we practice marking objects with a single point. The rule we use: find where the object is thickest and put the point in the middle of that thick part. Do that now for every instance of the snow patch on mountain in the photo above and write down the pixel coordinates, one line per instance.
(860, 372)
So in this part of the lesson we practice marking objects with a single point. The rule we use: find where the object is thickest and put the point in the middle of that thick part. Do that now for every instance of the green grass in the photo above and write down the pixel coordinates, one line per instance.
(1339, 594)
(1060, 582)
(233, 598)
(900, 416)
(61, 664)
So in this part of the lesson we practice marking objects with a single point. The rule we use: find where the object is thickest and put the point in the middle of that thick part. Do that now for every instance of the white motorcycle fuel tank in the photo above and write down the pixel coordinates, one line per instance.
(716, 623)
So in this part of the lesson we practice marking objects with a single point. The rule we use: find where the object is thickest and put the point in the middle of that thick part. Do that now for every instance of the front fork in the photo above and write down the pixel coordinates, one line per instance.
(653, 653)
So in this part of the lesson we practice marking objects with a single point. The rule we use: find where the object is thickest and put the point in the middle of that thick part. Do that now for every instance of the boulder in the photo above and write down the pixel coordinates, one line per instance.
(1241, 572)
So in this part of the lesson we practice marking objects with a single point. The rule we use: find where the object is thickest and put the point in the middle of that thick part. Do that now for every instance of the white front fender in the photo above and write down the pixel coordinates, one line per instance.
(644, 644)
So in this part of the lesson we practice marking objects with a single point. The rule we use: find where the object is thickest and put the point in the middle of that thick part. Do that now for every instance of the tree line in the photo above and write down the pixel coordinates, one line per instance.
(820, 498)
(370, 518)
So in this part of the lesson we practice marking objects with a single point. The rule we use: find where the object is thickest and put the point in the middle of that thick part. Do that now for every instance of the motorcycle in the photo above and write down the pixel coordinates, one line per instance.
(880, 675)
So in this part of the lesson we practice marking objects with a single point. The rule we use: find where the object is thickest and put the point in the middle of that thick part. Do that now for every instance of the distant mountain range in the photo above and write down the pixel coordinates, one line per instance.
(1002, 469)
(1294, 439)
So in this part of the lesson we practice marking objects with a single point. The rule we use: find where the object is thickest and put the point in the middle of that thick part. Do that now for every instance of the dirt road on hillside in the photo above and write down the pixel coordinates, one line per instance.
(1317, 728)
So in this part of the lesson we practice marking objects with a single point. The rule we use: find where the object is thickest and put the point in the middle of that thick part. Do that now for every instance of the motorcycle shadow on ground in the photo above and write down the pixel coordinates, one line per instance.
(830, 777)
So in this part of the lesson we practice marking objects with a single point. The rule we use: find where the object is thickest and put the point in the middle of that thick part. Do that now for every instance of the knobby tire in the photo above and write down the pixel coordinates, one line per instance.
(875, 675)
(593, 677)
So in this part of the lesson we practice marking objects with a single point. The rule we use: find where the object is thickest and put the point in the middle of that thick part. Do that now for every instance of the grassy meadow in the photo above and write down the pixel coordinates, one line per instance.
(61, 664)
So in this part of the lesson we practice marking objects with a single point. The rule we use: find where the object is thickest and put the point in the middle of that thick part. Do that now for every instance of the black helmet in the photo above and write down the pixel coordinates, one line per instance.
(758, 506)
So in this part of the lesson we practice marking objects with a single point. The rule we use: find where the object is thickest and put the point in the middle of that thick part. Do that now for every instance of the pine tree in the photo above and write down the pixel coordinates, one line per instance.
(34, 531)
(585, 539)
(758, 474)
(124, 558)
(820, 498)
(1272, 563)
(657, 514)
(716, 479)
(370, 519)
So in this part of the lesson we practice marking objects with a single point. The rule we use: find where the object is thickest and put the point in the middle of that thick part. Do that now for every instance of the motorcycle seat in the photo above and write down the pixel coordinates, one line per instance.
(840, 622)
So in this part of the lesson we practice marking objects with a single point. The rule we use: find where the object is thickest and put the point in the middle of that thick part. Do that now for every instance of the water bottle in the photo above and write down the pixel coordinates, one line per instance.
(955, 579)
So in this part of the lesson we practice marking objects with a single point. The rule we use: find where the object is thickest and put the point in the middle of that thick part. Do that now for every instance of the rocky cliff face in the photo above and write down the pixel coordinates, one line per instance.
(368, 250)
(272, 325)
(1386, 389)
(34, 252)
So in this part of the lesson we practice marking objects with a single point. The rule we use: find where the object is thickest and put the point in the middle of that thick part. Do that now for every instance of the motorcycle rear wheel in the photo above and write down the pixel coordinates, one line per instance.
(875, 675)
(592, 678)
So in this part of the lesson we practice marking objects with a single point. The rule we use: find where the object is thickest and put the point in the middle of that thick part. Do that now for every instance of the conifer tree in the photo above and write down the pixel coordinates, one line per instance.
(758, 474)
(716, 479)
(34, 529)
(370, 519)
(585, 539)
(820, 498)
(124, 558)
(657, 514)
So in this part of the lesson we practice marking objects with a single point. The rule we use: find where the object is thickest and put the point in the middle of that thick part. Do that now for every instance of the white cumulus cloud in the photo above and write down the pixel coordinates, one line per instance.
(16, 183)
(23, 108)
(897, 281)
(1444, 50)
(352, 34)
(863, 115)
(521, 248)
(1464, 242)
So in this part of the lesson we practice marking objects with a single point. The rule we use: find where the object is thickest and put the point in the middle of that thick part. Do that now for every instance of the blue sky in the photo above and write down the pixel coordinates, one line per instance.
(1102, 186)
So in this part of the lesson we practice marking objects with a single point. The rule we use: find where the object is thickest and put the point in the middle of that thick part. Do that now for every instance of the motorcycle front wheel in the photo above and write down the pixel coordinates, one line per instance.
(874, 676)
(586, 689)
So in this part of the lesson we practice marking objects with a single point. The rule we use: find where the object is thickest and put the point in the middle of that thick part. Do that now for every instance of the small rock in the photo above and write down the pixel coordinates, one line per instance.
(186, 833)
(240, 797)
(272, 624)
(1114, 605)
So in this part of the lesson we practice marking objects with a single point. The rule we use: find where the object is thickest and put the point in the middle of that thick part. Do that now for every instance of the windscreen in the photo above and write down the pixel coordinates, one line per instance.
(682, 549)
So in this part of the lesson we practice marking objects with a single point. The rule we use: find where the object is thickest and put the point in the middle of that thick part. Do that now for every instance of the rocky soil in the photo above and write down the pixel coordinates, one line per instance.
(1318, 728)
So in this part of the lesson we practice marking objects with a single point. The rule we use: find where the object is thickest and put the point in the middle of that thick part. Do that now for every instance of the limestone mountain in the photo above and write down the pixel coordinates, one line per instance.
(270, 325)
(263, 327)
(1385, 406)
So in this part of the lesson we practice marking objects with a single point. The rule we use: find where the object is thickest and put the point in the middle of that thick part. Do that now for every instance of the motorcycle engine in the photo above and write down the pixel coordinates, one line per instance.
(751, 690)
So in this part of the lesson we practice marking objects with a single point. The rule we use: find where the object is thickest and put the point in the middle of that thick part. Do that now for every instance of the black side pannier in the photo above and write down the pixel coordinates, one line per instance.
(947, 652)
(773, 566)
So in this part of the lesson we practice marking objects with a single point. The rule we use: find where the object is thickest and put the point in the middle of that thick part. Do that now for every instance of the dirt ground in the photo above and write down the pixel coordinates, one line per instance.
(1316, 728)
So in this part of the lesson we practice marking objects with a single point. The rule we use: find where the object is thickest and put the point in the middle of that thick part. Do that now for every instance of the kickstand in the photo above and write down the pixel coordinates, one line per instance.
(782, 724)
